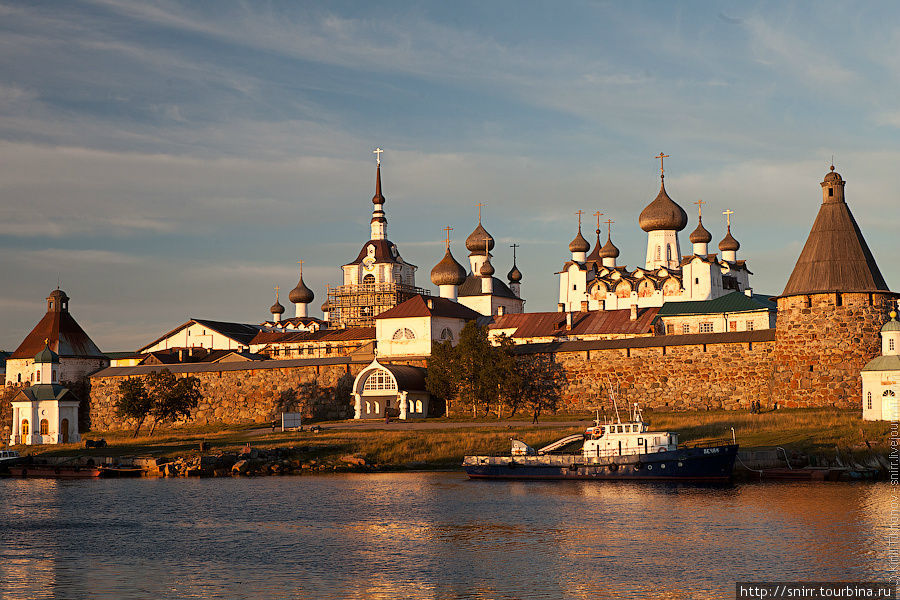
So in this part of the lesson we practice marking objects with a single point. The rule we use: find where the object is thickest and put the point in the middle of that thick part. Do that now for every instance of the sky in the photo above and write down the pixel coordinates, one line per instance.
(162, 161)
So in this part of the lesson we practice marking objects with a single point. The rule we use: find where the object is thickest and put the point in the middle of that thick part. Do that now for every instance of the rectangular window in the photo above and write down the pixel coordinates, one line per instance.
(891, 344)
(706, 327)
(732, 325)
(750, 326)
(670, 329)
(685, 329)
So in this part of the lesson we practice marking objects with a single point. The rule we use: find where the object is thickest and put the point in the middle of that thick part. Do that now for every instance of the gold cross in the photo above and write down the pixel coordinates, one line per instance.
(479, 205)
(661, 157)
(579, 213)
(377, 152)
(448, 229)
(609, 223)
(598, 214)
(276, 292)
(728, 214)
(300, 262)
(700, 204)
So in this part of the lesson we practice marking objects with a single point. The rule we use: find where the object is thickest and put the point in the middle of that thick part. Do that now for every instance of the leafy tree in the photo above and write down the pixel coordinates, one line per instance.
(134, 402)
(540, 381)
(439, 380)
(173, 397)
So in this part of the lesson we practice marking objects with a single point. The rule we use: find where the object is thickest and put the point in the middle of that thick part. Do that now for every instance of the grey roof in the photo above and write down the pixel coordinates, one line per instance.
(836, 257)
(891, 362)
(242, 333)
(656, 341)
(472, 287)
(729, 303)
(43, 392)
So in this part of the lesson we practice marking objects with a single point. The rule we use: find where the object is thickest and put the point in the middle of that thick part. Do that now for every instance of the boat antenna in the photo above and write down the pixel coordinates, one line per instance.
(612, 396)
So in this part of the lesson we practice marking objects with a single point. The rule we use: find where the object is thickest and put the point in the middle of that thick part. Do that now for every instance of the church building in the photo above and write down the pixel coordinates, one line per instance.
(881, 377)
(595, 282)
(45, 412)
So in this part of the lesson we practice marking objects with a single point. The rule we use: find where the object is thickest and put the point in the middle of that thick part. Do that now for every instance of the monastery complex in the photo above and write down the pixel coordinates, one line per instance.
(682, 331)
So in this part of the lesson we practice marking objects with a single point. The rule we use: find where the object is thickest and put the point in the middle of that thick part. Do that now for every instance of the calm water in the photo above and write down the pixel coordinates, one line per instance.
(432, 535)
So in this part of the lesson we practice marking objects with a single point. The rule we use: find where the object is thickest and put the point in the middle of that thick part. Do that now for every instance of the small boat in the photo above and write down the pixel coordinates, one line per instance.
(55, 471)
(9, 458)
(612, 451)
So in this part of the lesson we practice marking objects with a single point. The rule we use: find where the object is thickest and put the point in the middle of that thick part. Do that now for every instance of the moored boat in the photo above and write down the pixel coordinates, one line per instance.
(611, 451)
(55, 471)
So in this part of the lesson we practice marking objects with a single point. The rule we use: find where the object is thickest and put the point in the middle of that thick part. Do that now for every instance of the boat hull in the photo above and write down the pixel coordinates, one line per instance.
(55, 472)
(711, 465)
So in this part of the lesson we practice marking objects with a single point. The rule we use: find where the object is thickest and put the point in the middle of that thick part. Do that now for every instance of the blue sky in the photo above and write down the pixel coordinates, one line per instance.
(172, 160)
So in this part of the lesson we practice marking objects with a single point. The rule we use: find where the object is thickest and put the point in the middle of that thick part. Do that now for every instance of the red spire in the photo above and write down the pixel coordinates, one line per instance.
(378, 198)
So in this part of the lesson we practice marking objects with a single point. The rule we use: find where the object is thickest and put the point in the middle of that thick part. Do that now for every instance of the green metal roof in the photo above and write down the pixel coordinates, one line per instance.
(730, 303)
(47, 391)
(891, 362)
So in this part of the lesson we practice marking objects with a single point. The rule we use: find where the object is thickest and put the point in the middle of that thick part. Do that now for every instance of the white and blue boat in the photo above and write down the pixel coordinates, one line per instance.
(612, 451)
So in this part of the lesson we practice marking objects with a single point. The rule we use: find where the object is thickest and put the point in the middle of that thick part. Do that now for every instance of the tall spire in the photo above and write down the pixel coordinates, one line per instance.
(379, 222)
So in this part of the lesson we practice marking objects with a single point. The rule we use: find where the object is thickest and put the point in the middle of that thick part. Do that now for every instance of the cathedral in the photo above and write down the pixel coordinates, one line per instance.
(593, 281)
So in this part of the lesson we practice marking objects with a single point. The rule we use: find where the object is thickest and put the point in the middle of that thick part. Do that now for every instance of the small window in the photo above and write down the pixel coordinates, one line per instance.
(25, 428)
(732, 325)
(418, 406)
(574, 286)
(368, 407)
(668, 252)
(369, 279)
(45, 427)
(377, 408)
(706, 327)
(750, 326)
(831, 191)
(697, 280)
(670, 329)
(869, 400)
(685, 329)
(891, 344)
(640, 441)
(658, 252)
(39, 376)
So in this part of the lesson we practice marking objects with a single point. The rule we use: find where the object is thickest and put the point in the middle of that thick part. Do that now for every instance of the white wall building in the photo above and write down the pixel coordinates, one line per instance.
(881, 377)
(46, 412)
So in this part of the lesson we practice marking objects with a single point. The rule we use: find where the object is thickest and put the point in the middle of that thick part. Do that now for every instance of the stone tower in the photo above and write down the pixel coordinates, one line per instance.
(830, 312)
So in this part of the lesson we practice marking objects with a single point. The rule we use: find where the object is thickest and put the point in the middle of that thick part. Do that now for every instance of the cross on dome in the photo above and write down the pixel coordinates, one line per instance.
(479, 205)
(661, 157)
(700, 204)
(609, 223)
(448, 229)
(728, 213)
(377, 152)
(579, 213)
(598, 214)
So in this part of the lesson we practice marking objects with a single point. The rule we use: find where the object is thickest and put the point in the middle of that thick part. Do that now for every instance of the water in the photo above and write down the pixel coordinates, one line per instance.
(429, 535)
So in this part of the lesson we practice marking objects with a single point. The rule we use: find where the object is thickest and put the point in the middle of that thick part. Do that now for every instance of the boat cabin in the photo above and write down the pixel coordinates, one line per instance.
(618, 439)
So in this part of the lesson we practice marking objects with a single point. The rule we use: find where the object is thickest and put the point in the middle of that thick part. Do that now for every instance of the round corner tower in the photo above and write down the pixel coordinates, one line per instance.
(830, 312)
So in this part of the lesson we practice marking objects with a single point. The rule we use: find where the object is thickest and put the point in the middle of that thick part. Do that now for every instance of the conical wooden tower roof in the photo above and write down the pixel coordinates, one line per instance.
(836, 257)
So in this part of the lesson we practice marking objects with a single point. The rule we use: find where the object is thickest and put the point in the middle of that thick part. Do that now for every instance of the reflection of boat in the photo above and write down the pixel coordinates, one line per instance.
(55, 471)
(623, 451)
(121, 471)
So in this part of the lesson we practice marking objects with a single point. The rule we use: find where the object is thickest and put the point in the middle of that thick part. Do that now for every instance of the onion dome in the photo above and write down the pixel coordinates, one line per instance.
(277, 308)
(594, 256)
(663, 214)
(475, 241)
(514, 275)
(700, 235)
(378, 198)
(833, 177)
(326, 307)
(892, 325)
(728, 243)
(46, 355)
(448, 271)
(579, 244)
(301, 294)
(609, 249)
(487, 269)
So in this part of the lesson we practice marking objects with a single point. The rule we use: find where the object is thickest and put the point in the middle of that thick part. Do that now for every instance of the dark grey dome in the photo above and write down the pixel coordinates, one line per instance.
(514, 275)
(663, 214)
(487, 269)
(609, 249)
(448, 271)
(579, 244)
(301, 294)
(277, 308)
(728, 243)
(475, 241)
(700, 235)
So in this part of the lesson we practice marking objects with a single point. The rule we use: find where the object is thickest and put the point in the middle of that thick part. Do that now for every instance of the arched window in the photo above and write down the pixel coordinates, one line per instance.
(45, 427)
(446, 334)
(53, 380)
(623, 290)
(24, 427)
(368, 407)
(869, 400)
(369, 279)
(379, 380)
(403, 334)
(418, 406)
(377, 408)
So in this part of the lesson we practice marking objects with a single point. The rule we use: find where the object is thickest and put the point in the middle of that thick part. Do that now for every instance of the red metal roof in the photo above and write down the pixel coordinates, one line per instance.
(417, 306)
(66, 337)
(597, 322)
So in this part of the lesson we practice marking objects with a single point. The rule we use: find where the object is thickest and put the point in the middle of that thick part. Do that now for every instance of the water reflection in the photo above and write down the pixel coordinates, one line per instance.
(429, 536)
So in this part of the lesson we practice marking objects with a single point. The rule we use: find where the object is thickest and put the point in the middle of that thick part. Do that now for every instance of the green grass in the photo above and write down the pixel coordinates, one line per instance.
(815, 431)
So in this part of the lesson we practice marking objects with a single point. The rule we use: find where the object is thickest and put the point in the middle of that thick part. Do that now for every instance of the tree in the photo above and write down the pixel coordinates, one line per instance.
(540, 382)
(134, 402)
(439, 380)
(173, 397)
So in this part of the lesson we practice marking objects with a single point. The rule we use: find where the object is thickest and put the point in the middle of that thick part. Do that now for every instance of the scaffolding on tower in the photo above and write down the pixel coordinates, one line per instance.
(358, 305)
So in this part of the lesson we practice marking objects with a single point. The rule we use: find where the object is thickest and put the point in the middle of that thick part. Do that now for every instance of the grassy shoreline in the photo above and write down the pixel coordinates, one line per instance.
(806, 431)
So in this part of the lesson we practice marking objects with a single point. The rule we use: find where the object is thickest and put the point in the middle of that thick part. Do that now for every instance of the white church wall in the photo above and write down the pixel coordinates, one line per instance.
(880, 395)
(20, 370)
(196, 335)
(409, 336)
